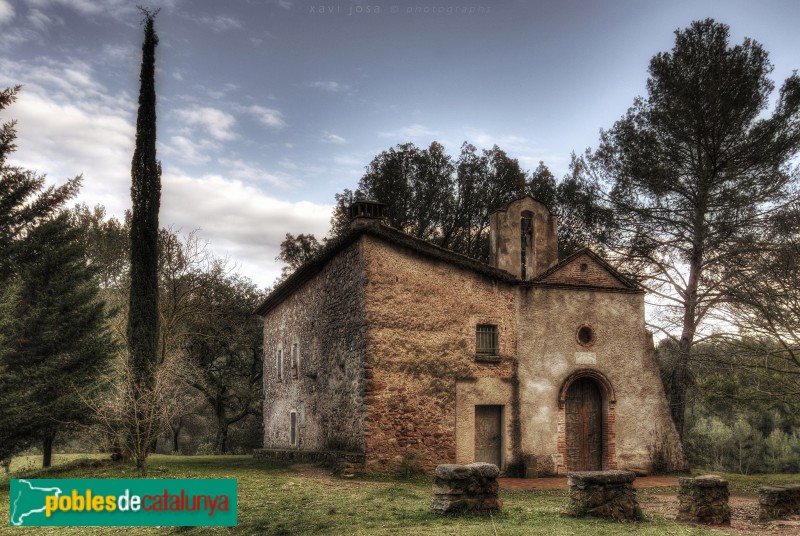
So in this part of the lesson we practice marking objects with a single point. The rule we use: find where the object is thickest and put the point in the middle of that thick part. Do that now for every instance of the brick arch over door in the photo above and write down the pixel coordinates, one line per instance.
(607, 407)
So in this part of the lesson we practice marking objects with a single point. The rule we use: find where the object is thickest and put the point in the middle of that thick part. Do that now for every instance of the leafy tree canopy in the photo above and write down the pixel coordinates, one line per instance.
(447, 201)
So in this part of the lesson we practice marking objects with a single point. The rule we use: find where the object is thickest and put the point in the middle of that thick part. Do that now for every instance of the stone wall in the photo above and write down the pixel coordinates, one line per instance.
(778, 502)
(550, 352)
(458, 488)
(505, 245)
(422, 314)
(325, 319)
(704, 500)
(604, 494)
(387, 357)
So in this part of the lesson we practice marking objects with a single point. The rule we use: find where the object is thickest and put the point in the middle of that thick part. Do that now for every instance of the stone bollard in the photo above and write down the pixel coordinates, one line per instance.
(704, 500)
(606, 494)
(777, 502)
(465, 487)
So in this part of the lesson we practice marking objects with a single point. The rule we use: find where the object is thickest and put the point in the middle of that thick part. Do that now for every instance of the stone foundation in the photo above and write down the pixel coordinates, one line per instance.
(458, 488)
(777, 502)
(342, 463)
(605, 494)
(704, 500)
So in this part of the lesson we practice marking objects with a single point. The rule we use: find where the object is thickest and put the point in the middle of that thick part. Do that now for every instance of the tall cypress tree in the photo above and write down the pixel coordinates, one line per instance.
(146, 199)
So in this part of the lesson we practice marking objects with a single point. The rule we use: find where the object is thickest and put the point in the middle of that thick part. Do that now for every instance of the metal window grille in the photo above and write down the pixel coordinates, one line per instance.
(486, 339)
(279, 367)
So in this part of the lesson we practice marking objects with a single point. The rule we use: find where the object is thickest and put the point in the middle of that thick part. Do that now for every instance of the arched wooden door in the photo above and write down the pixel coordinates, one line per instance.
(584, 416)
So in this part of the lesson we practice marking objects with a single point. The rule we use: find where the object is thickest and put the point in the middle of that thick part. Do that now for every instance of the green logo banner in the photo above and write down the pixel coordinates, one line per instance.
(79, 502)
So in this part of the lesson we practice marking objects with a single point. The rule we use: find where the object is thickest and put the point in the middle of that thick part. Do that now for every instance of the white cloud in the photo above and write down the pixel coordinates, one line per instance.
(252, 173)
(268, 116)
(333, 138)
(217, 123)
(64, 140)
(65, 81)
(239, 220)
(38, 19)
(349, 160)
(123, 10)
(410, 133)
(528, 152)
(69, 124)
(288, 164)
(220, 23)
(6, 11)
(329, 86)
(116, 54)
(285, 4)
(508, 143)
(188, 150)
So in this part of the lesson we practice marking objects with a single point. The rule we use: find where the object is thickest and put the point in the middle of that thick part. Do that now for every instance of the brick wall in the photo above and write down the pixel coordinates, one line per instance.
(583, 270)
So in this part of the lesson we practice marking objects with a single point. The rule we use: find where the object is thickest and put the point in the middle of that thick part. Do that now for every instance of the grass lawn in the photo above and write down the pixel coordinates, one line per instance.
(275, 498)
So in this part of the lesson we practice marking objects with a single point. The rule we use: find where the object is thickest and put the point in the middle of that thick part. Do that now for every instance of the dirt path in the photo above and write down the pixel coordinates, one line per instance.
(561, 482)
(744, 514)
(744, 509)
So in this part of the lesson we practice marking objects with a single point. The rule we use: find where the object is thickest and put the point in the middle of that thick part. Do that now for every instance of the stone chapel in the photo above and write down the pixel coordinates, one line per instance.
(404, 355)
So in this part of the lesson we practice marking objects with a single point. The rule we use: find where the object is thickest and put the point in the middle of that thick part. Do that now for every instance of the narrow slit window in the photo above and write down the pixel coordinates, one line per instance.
(293, 428)
(486, 339)
(526, 243)
(279, 365)
(294, 359)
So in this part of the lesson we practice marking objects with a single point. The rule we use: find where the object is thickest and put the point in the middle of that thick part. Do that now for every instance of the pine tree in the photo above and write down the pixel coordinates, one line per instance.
(146, 198)
(62, 343)
(697, 170)
(23, 203)
(23, 199)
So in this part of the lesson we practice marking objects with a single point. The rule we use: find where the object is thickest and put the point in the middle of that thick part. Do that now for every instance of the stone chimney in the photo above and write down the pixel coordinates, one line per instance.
(366, 212)
(523, 238)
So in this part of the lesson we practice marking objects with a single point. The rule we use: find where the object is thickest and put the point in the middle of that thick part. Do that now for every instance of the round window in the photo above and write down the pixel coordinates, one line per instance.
(585, 335)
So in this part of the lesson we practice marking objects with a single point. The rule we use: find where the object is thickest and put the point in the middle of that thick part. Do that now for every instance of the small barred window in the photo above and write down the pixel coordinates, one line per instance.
(486, 339)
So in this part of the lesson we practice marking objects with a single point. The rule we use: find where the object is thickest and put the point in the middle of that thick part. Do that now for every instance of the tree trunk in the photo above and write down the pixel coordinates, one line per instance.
(677, 395)
(47, 449)
(221, 440)
(176, 432)
(141, 465)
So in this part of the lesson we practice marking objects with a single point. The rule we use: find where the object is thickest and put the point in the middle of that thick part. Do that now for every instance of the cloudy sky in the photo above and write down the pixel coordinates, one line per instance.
(267, 108)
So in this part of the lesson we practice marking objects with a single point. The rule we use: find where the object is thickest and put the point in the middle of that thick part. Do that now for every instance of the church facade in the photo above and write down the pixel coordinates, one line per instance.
(411, 355)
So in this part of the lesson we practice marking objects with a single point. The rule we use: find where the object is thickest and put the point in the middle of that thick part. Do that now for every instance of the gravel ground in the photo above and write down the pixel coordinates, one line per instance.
(744, 514)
